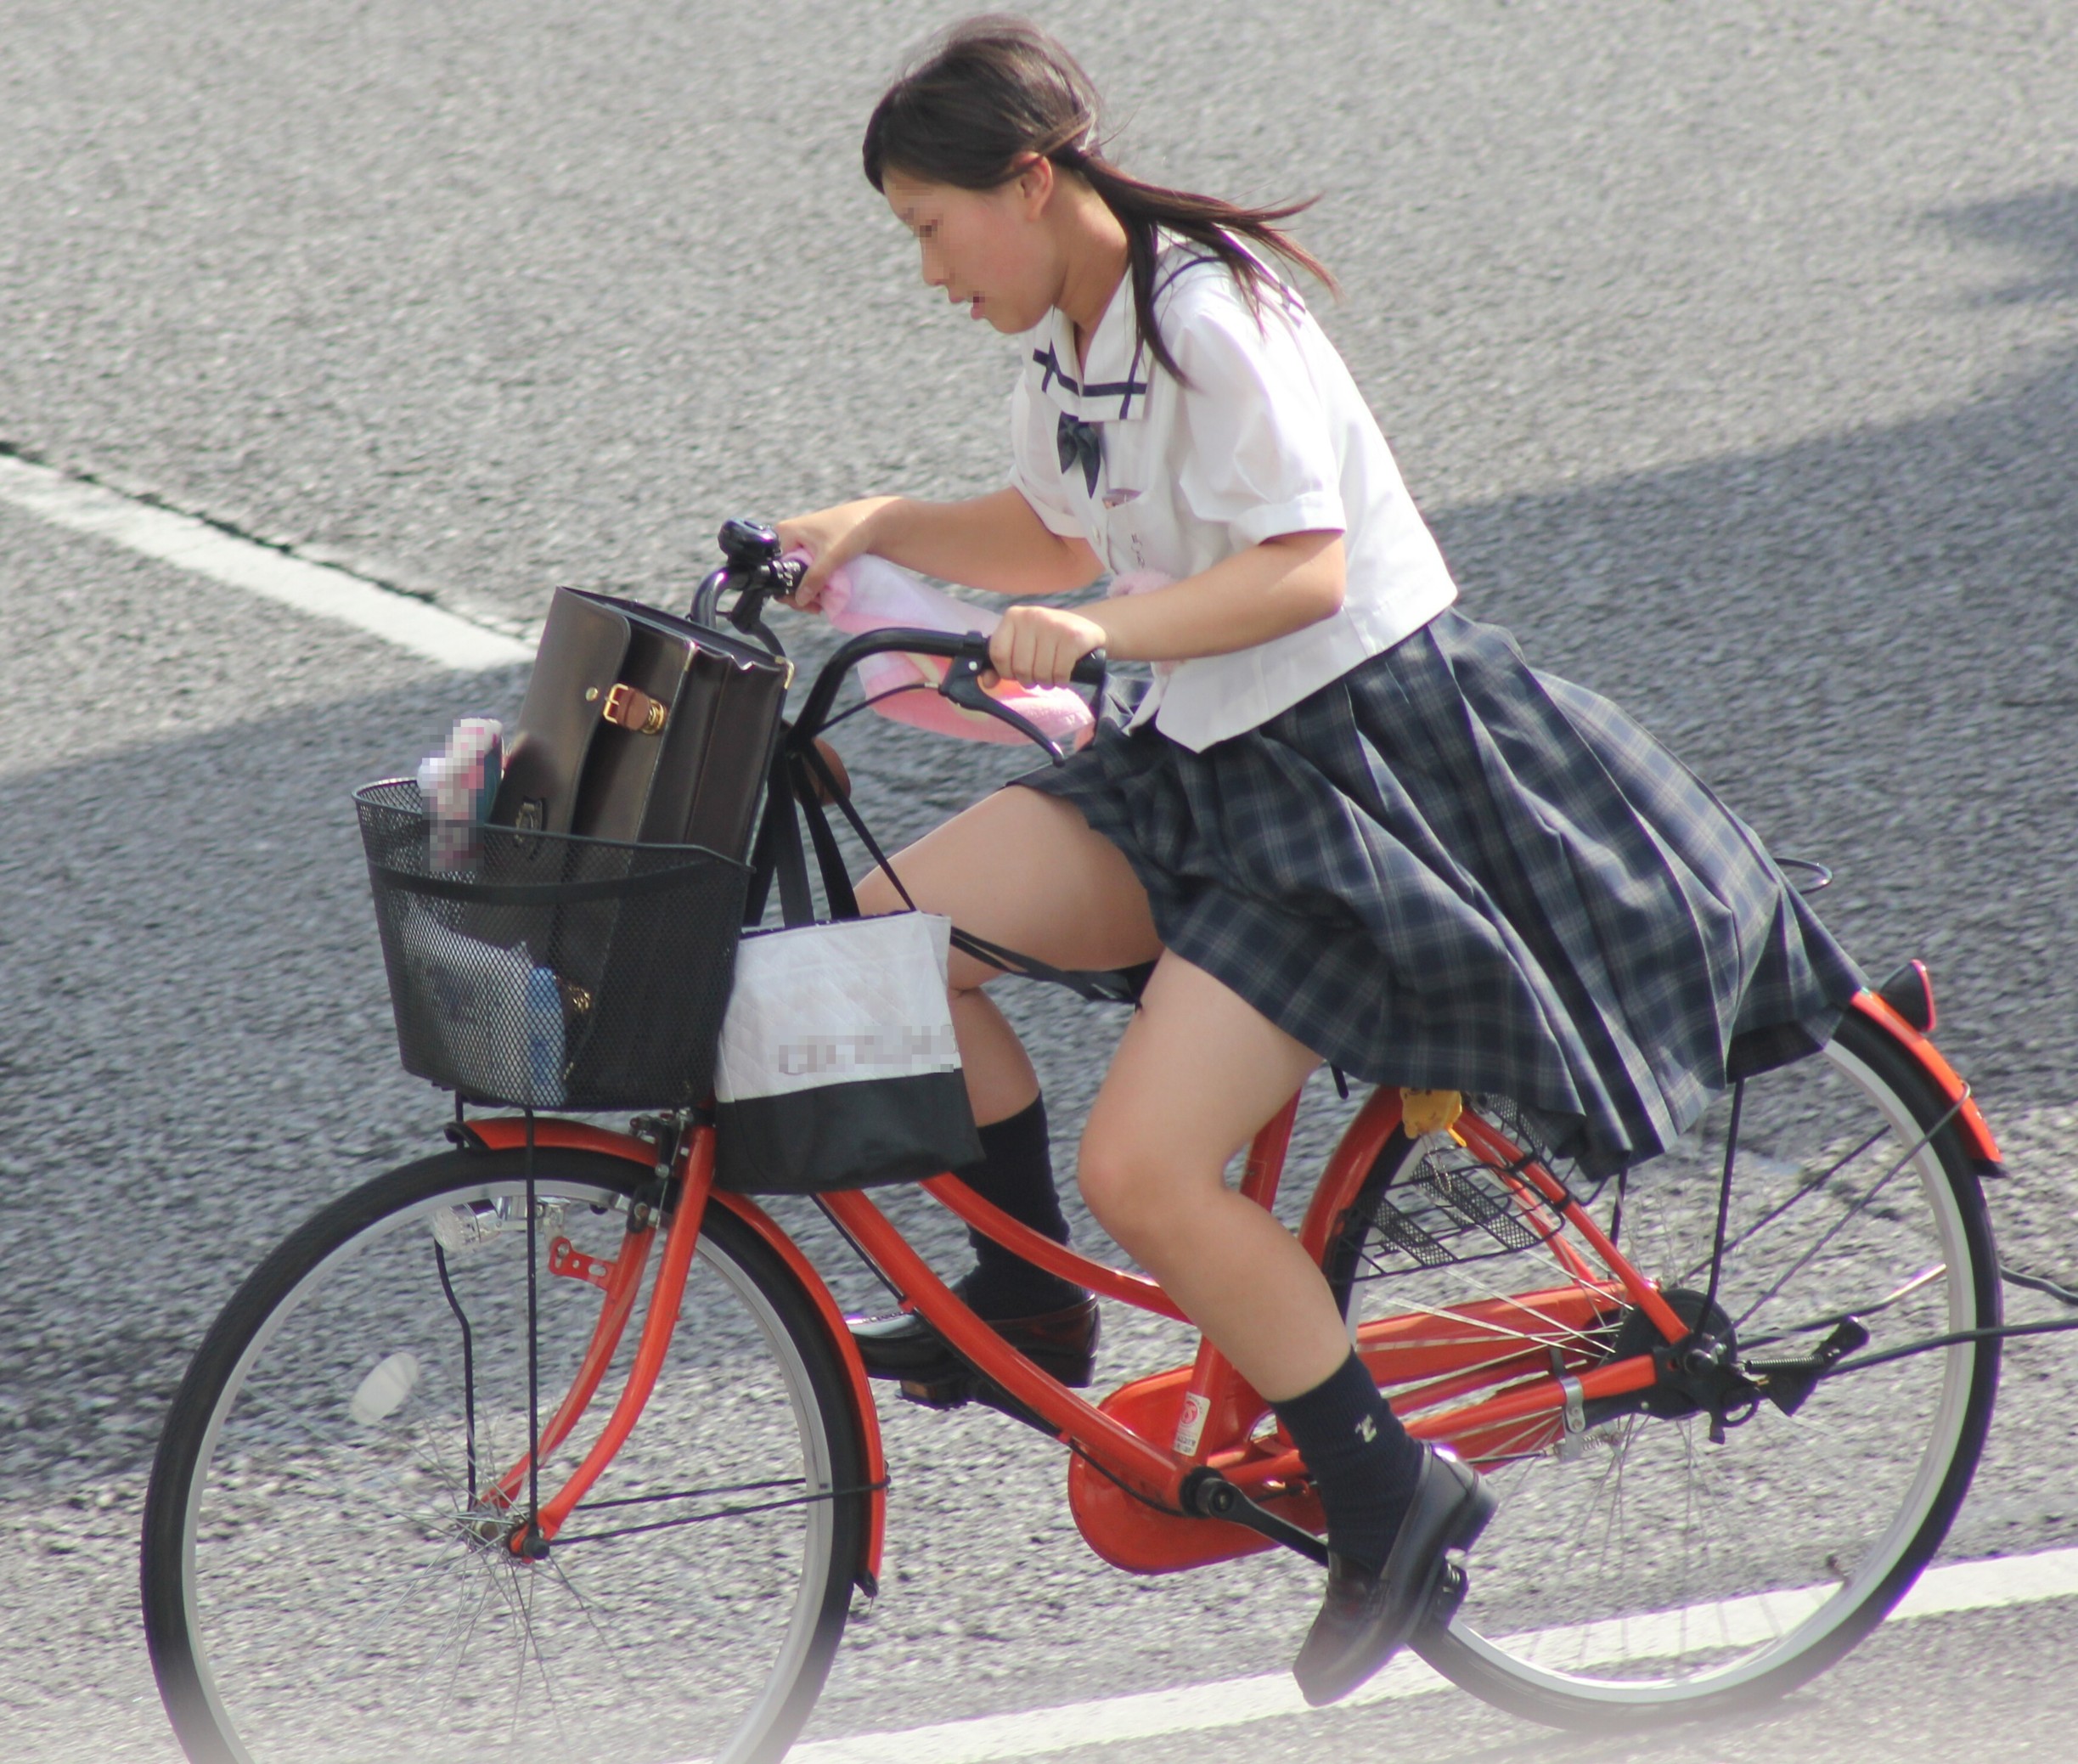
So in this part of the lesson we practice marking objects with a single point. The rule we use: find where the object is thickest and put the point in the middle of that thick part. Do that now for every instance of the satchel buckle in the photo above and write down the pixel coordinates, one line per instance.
(630, 708)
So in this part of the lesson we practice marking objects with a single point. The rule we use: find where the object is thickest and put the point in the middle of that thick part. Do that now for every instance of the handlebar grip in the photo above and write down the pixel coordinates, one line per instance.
(1093, 670)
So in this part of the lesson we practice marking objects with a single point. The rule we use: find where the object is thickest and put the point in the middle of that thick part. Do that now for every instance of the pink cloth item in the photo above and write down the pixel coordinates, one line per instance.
(869, 593)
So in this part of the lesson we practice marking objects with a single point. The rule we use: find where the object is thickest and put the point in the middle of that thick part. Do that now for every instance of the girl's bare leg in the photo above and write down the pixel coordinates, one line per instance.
(1198, 1073)
(1024, 871)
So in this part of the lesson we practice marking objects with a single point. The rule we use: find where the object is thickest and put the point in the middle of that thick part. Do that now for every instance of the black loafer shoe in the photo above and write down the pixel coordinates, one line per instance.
(1060, 1343)
(1366, 1618)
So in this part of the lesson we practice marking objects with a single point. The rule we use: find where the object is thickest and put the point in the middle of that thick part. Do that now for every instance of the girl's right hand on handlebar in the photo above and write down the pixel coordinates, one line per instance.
(1040, 645)
(832, 537)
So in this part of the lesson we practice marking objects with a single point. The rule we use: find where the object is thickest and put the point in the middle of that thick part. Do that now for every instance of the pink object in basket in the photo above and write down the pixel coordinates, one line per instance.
(869, 593)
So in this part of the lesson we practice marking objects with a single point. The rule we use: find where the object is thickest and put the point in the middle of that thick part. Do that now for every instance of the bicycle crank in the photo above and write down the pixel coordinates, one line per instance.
(1210, 1496)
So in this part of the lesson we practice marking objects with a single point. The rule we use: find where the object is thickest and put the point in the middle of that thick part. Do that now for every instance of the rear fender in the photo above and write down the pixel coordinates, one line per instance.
(1969, 1120)
(500, 1133)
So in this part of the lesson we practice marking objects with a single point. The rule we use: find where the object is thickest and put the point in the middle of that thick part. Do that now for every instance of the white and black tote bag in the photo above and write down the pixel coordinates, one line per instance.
(838, 1068)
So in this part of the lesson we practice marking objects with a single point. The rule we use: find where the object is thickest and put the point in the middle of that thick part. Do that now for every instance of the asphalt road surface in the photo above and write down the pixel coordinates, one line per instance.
(1733, 352)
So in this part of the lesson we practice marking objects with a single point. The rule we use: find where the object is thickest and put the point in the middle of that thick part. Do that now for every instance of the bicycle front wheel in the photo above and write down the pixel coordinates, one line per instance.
(327, 1572)
(1638, 1570)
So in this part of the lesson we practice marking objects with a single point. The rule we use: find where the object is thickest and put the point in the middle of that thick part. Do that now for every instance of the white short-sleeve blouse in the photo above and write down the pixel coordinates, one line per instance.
(1269, 436)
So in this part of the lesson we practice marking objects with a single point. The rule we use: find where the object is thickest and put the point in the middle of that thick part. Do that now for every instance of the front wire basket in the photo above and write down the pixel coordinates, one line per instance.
(547, 971)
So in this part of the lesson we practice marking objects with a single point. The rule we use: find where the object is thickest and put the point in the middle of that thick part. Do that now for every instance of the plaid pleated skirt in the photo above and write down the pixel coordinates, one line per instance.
(1447, 870)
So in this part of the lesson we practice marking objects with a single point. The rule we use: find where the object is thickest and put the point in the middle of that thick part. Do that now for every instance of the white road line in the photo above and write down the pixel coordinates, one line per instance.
(1199, 1708)
(319, 589)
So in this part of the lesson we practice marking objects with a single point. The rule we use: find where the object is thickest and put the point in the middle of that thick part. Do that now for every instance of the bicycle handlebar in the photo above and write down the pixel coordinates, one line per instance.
(757, 572)
(969, 655)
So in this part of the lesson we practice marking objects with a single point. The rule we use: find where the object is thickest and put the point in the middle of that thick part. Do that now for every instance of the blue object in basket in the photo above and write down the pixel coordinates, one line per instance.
(544, 1037)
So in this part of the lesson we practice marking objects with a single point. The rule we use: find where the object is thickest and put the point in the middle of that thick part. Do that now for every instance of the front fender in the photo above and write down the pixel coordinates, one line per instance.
(500, 1133)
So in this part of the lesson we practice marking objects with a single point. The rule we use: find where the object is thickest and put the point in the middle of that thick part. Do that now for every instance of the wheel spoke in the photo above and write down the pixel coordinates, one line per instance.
(1805, 1192)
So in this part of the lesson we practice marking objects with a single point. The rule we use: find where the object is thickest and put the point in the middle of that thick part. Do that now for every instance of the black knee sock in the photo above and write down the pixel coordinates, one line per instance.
(1363, 1462)
(1016, 1174)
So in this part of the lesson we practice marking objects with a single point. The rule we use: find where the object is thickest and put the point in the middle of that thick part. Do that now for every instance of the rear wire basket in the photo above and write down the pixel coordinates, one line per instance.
(1455, 1206)
(546, 970)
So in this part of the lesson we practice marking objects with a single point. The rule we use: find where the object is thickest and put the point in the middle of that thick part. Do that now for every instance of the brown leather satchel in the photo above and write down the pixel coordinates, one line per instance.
(644, 729)
(642, 726)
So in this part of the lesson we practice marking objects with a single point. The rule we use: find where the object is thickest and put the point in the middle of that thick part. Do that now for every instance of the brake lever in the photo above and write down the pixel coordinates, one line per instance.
(962, 684)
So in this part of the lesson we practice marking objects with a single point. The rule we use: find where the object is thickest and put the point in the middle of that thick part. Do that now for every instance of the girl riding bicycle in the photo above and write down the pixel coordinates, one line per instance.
(1345, 823)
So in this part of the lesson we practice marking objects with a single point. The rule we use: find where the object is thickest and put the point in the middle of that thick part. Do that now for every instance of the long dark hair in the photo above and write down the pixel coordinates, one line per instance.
(990, 92)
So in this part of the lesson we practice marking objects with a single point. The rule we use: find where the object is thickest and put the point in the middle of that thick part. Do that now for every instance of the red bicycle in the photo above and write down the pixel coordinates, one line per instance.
(544, 1447)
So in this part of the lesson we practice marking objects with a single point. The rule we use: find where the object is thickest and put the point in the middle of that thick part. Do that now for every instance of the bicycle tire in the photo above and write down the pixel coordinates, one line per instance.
(1607, 1603)
(283, 1512)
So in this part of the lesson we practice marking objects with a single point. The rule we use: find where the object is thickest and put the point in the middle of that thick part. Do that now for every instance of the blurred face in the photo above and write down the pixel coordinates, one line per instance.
(991, 251)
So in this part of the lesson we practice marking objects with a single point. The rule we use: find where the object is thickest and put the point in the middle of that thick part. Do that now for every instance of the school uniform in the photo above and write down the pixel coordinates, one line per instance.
(1419, 857)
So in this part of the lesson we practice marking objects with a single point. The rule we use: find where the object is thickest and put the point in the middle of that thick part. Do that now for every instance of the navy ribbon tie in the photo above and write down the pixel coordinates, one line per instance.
(1078, 440)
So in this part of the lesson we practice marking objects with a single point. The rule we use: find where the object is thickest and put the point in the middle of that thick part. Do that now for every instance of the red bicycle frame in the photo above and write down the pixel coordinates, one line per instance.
(1494, 1377)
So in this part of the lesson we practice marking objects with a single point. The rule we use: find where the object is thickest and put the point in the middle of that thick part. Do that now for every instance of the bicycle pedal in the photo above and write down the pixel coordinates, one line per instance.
(1451, 1586)
(954, 1393)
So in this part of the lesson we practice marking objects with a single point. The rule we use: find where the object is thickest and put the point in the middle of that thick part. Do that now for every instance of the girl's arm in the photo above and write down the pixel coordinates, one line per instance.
(1266, 591)
(995, 543)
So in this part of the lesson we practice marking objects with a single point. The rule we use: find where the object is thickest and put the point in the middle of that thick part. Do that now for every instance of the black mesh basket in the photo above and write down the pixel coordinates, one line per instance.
(546, 970)
(1455, 1206)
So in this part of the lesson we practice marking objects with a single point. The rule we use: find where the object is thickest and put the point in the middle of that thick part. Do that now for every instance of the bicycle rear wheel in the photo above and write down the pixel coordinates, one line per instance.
(1636, 1572)
(325, 1575)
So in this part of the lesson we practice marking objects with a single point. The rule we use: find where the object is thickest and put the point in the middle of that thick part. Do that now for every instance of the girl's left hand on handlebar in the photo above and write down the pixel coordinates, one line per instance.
(1040, 645)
